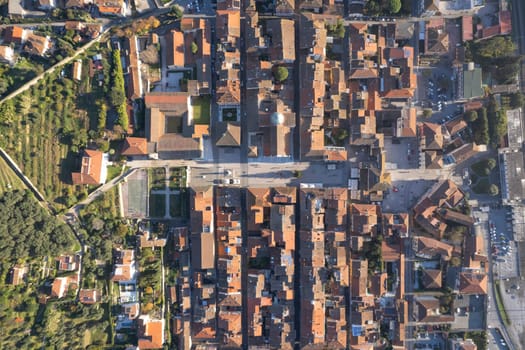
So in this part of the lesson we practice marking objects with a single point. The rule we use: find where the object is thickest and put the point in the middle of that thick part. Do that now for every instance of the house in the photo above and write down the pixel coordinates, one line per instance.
(460, 344)
(135, 146)
(77, 70)
(444, 194)
(124, 267)
(431, 137)
(93, 168)
(428, 311)
(231, 136)
(45, 4)
(89, 296)
(111, 7)
(14, 34)
(37, 45)
(75, 4)
(203, 250)
(67, 263)
(473, 283)
(7, 54)
(150, 333)
(429, 248)
(17, 275)
(134, 83)
(432, 278)
(454, 126)
(61, 285)
(15, 9)
(175, 49)
(436, 37)
(364, 219)
(145, 240)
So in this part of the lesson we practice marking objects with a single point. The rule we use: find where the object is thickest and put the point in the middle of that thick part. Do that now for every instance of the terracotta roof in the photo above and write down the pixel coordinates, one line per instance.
(466, 24)
(432, 136)
(14, 34)
(90, 170)
(432, 279)
(203, 250)
(456, 125)
(400, 94)
(150, 333)
(472, 283)
(231, 136)
(36, 44)
(175, 48)
(135, 146)
(429, 247)
(88, 296)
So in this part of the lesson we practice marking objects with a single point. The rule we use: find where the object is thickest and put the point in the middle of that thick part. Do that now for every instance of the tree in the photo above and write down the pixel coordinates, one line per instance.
(493, 190)
(394, 6)
(118, 84)
(427, 113)
(471, 116)
(117, 97)
(175, 11)
(480, 128)
(194, 47)
(280, 74)
(7, 112)
(516, 100)
(491, 163)
(102, 115)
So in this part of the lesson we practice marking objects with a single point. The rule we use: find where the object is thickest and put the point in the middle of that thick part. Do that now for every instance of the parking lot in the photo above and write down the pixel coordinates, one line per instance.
(503, 248)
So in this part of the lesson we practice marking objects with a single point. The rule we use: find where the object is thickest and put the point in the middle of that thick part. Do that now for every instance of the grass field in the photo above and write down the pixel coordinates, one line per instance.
(8, 179)
(157, 178)
(201, 110)
(177, 178)
(157, 205)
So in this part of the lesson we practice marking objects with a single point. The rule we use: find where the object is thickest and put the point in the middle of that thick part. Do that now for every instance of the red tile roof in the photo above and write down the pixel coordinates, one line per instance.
(466, 23)
(135, 146)
(90, 170)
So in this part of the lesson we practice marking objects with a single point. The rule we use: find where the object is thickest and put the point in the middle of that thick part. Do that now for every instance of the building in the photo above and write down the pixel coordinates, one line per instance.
(150, 333)
(37, 45)
(77, 70)
(93, 168)
(135, 146)
(89, 296)
(469, 82)
(169, 126)
(7, 54)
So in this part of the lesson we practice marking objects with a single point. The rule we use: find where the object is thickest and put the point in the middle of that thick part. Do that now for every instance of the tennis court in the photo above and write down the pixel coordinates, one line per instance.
(135, 195)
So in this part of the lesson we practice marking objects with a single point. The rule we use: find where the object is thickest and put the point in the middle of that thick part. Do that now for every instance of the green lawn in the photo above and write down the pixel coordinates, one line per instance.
(201, 110)
(157, 178)
(113, 172)
(177, 178)
(501, 306)
(157, 205)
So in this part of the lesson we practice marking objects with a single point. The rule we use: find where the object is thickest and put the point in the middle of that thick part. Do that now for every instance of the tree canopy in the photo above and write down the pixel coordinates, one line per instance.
(394, 6)
(280, 74)
(118, 92)
(26, 230)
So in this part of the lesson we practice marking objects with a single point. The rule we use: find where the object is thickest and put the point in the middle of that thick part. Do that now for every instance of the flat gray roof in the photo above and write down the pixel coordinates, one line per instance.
(515, 128)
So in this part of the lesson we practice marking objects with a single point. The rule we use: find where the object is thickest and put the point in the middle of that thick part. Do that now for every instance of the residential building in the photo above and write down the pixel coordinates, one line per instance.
(93, 168)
